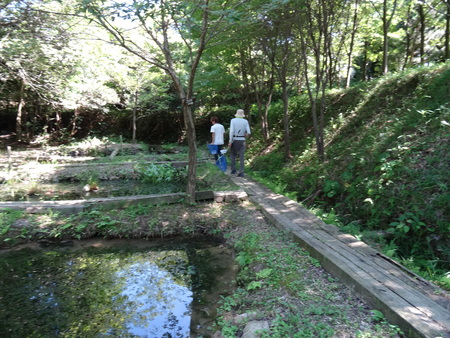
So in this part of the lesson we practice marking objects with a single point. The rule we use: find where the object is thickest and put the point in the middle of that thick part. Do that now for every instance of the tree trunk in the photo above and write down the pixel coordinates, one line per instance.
(421, 13)
(386, 24)
(287, 142)
(74, 122)
(259, 97)
(321, 45)
(244, 75)
(317, 132)
(265, 116)
(20, 112)
(133, 139)
(352, 42)
(447, 31)
(364, 62)
(409, 30)
(385, 39)
(192, 144)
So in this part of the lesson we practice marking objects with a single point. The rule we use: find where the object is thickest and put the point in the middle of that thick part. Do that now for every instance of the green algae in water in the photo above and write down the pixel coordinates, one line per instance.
(119, 292)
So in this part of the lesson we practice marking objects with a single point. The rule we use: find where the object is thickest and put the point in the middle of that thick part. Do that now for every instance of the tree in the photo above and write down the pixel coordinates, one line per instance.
(386, 17)
(277, 45)
(443, 10)
(34, 46)
(353, 31)
(447, 29)
(317, 22)
(262, 73)
(155, 32)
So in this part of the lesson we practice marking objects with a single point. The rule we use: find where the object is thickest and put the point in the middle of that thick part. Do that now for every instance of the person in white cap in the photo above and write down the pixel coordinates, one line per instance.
(239, 129)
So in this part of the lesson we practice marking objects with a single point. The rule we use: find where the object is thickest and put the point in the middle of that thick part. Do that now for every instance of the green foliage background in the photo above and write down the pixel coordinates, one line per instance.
(386, 175)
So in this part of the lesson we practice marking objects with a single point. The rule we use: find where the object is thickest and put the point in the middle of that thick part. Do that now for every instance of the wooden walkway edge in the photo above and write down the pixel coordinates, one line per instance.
(418, 307)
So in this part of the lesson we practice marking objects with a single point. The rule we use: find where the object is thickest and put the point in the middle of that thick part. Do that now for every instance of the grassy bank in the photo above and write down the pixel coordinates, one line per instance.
(385, 178)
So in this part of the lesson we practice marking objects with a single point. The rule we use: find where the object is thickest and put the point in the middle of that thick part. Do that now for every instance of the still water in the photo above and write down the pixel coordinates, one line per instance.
(117, 288)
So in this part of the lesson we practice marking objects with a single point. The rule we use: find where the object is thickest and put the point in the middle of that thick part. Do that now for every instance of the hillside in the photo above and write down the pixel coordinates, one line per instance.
(386, 175)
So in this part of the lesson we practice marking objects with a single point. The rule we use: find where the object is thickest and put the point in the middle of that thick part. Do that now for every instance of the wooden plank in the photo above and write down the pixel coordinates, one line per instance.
(398, 310)
(408, 277)
(383, 262)
(386, 277)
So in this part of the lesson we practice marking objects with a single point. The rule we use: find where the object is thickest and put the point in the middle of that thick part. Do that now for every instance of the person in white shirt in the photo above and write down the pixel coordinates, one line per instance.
(217, 135)
(239, 129)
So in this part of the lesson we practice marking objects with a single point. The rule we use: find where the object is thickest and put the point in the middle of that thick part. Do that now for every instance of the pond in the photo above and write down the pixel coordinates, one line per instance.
(150, 181)
(117, 288)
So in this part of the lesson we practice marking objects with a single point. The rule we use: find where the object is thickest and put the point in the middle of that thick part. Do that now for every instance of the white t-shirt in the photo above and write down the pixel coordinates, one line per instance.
(218, 131)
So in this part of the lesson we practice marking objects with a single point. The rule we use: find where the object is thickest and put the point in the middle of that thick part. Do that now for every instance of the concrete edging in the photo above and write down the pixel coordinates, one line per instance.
(75, 206)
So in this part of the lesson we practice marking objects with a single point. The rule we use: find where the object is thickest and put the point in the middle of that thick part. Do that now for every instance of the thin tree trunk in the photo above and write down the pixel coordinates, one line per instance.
(447, 31)
(385, 39)
(364, 63)
(134, 116)
(265, 117)
(408, 35)
(421, 13)
(244, 74)
(259, 97)
(287, 142)
(192, 144)
(20, 112)
(321, 45)
(352, 42)
(386, 24)
(285, 94)
(74, 122)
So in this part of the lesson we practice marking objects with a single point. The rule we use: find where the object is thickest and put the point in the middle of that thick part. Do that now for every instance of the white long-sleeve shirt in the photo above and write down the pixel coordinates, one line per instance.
(239, 128)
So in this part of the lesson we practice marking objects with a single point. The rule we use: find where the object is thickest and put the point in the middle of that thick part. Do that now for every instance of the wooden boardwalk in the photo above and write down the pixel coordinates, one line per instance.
(417, 306)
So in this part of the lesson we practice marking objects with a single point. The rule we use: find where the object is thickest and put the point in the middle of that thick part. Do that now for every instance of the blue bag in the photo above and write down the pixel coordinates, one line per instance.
(222, 163)
(212, 148)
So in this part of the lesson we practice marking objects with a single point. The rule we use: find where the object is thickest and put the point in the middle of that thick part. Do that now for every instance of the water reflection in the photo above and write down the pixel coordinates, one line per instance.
(155, 303)
(120, 292)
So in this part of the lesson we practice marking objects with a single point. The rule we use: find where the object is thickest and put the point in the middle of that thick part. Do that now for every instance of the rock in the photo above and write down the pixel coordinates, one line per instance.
(245, 316)
(254, 329)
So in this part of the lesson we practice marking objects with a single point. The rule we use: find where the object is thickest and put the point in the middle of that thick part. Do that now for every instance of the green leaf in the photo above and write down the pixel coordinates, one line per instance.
(264, 273)
(377, 315)
(254, 285)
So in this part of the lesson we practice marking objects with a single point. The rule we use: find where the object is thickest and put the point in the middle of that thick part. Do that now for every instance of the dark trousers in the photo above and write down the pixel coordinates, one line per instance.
(218, 154)
(237, 151)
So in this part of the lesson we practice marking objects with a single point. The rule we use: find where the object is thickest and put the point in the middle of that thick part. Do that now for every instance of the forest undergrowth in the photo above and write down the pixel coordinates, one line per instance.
(385, 178)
